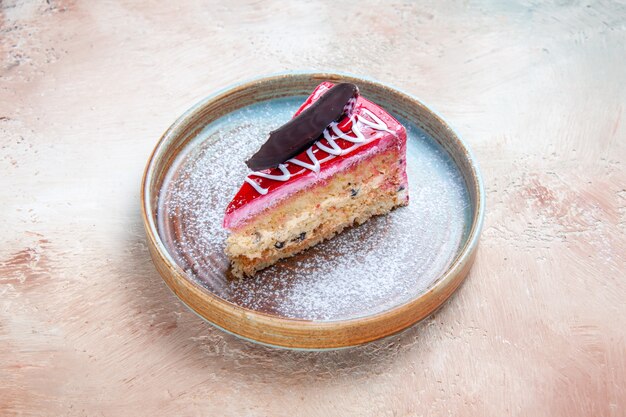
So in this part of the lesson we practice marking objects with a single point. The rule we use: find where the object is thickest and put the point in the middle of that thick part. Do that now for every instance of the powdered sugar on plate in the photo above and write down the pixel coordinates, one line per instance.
(385, 262)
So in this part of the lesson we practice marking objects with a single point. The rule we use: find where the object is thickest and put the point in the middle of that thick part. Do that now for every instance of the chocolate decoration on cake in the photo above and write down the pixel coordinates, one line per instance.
(303, 130)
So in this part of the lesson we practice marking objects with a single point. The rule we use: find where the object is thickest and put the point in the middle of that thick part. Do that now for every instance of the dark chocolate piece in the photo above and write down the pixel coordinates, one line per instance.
(303, 130)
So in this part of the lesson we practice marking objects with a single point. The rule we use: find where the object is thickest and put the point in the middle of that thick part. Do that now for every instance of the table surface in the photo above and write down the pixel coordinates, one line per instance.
(538, 91)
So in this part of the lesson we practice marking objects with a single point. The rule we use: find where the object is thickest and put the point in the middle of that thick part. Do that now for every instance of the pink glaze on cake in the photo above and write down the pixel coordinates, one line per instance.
(369, 131)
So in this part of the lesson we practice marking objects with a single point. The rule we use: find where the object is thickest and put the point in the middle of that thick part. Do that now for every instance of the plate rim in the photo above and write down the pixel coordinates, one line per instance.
(302, 333)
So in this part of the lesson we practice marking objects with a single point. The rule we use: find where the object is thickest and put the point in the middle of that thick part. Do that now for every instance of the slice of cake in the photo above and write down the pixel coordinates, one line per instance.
(353, 170)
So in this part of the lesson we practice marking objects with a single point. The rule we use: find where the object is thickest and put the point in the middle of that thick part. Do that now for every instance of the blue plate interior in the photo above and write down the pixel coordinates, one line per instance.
(366, 270)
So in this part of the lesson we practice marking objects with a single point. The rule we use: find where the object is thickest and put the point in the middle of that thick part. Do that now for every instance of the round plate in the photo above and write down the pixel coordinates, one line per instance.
(369, 282)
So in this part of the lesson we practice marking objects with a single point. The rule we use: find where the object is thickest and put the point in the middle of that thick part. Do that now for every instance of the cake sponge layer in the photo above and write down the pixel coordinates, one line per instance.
(372, 187)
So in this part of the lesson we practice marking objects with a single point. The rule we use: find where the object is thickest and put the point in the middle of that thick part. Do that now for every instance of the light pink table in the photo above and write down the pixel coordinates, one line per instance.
(87, 327)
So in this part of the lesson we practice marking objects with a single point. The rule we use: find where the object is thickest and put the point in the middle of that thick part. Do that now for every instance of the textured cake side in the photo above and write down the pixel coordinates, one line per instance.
(372, 187)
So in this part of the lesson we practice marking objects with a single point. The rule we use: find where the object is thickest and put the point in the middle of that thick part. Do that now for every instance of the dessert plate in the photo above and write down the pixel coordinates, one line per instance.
(368, 282)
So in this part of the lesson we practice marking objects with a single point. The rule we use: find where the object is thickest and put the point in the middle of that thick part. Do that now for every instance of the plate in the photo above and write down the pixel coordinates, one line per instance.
(367, 283)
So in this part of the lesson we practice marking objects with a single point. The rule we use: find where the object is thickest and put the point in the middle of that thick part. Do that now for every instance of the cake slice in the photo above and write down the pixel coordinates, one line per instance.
(354, 170)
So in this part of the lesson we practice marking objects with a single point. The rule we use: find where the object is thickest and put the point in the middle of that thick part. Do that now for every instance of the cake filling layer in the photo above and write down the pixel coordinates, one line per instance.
(372, 187)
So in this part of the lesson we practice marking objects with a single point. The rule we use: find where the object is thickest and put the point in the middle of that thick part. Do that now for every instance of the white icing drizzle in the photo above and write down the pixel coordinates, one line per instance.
(333, 150)
(315, 166)
(283, 177)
